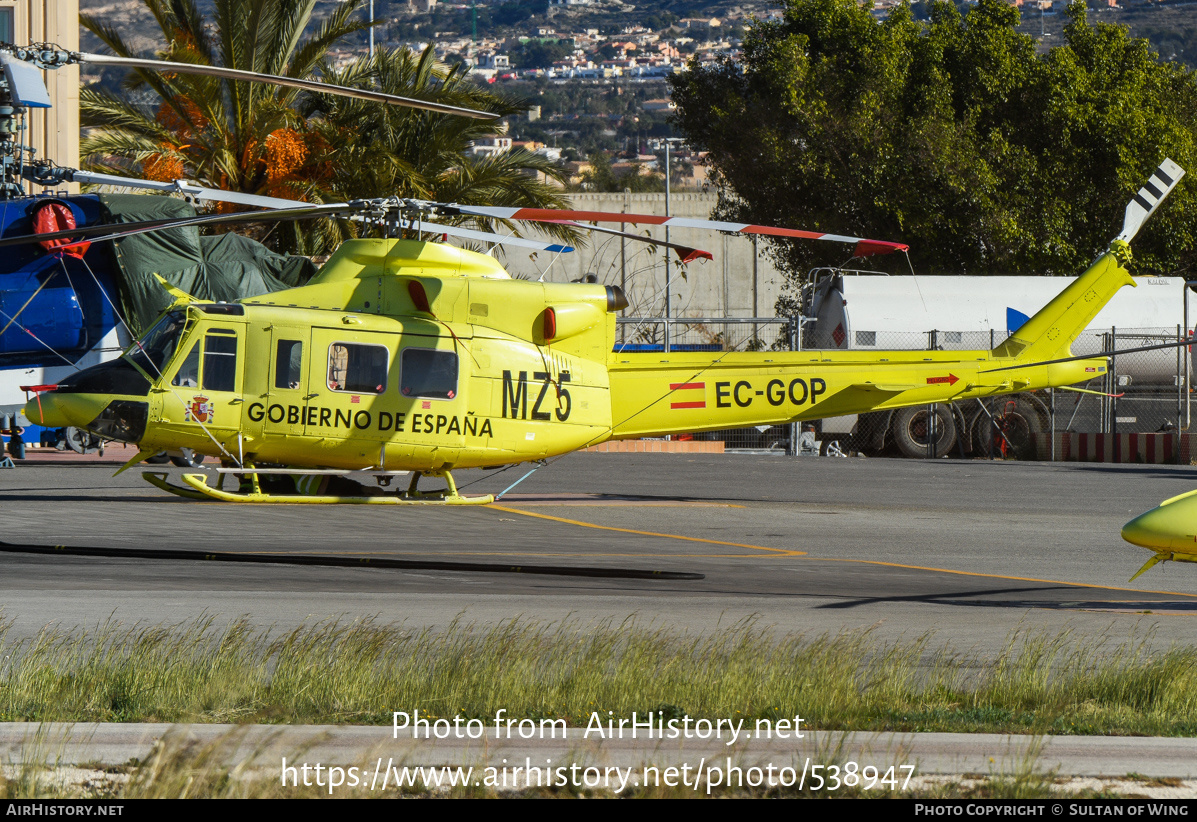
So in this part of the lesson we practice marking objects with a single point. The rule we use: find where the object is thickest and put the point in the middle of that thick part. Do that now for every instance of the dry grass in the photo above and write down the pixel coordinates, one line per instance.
(361, 671)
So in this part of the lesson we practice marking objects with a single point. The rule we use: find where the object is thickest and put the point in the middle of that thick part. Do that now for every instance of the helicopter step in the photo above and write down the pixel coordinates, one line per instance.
(198, 488)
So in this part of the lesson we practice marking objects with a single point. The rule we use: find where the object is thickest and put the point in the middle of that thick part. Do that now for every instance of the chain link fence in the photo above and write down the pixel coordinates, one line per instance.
(728, 334)
(1143, 393)
(641, 334)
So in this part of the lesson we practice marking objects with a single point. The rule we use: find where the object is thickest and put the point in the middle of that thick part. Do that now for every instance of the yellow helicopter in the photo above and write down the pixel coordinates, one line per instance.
(403, 356)
(1168, 530)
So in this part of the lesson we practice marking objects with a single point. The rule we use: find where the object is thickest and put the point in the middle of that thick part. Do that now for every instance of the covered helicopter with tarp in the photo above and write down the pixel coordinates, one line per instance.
(222, 267)
(61, 305)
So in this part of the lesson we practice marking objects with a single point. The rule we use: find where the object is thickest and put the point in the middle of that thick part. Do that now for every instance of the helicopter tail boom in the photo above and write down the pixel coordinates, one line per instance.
(692, 392)
(686, 392)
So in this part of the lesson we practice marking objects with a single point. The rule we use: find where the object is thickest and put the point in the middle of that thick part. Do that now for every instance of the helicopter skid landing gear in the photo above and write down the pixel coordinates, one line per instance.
(199, 489)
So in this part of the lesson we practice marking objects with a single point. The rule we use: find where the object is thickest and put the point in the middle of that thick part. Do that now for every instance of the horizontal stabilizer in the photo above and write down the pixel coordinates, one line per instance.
(851, 399)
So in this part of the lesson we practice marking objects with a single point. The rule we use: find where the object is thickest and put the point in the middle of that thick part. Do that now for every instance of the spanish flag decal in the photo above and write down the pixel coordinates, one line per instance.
(683, 401)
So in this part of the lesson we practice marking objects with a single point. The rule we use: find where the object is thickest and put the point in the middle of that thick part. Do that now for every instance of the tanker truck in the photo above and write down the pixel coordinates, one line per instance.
(870, 310)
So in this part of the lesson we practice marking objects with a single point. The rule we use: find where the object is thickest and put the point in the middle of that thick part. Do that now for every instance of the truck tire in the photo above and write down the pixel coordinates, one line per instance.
(871, 432)
(1019, 417)
(836, 446)
(910, 431)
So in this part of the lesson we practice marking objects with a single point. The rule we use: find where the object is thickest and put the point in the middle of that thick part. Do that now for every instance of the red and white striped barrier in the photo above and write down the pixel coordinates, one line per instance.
(1141, 448)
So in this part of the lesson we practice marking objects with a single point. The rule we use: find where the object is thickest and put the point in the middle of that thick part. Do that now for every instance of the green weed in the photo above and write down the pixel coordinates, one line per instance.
(359, 672)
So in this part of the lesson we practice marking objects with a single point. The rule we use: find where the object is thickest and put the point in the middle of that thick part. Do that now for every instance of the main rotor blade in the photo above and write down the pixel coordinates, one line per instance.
(481, 236)
(685, 253)
(117, 231)
(302, 212)
(290, 82)
(221, 196)
(864, 247)
(185, 187)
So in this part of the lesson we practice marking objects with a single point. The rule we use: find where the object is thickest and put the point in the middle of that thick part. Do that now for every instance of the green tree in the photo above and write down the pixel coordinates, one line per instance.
(952, 135)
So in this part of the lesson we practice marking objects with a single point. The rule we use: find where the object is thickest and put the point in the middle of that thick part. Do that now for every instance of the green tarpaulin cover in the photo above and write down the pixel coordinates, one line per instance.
(222, 267)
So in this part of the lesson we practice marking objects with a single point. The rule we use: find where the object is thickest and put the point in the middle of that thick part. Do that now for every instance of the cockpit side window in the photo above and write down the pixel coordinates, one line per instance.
(188, 374)
(211, 363)
(153, 351)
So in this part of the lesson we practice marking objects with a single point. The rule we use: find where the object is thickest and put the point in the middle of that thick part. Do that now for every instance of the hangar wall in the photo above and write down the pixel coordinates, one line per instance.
(722, 287)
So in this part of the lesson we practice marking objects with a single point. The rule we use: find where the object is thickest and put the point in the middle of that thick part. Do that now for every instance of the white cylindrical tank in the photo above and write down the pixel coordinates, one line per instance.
(872, 311)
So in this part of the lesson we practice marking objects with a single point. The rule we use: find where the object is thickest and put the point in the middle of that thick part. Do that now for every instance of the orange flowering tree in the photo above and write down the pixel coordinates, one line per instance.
(240, 136)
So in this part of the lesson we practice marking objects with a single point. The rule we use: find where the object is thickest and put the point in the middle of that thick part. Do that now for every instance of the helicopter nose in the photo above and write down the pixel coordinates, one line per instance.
(50, 410)
(1170, 527)
(57, 409)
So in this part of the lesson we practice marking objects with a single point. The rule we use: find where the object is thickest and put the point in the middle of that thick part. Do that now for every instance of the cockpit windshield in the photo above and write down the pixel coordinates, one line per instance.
(154, 350)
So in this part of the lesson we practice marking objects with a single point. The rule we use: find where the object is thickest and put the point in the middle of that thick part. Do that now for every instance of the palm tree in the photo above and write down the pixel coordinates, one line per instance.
(228, 134)
(383, 151)
(260, 139)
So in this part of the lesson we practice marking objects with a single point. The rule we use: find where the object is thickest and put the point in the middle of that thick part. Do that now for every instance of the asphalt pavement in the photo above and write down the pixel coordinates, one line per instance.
(972, 551)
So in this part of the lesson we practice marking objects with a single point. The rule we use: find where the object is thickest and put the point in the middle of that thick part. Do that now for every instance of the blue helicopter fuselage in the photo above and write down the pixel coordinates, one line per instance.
(55, 313)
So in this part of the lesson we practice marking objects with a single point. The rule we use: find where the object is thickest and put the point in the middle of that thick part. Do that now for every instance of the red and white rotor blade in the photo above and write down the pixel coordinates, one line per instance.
(864, 247)
(685, 254)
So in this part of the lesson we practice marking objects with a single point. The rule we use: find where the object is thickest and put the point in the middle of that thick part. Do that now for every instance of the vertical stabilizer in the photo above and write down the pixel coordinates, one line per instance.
(1049, 334)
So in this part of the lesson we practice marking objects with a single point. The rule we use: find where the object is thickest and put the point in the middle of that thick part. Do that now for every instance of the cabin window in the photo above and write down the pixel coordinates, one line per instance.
(866, 338)
(220, 363)
(357, 369)
(288, 364)
(430, 374)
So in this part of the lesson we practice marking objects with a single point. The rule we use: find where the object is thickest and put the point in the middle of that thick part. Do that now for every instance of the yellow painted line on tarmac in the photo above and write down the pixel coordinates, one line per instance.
(622, 502)
(794, 553)
(780, 551)
(999, 576)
